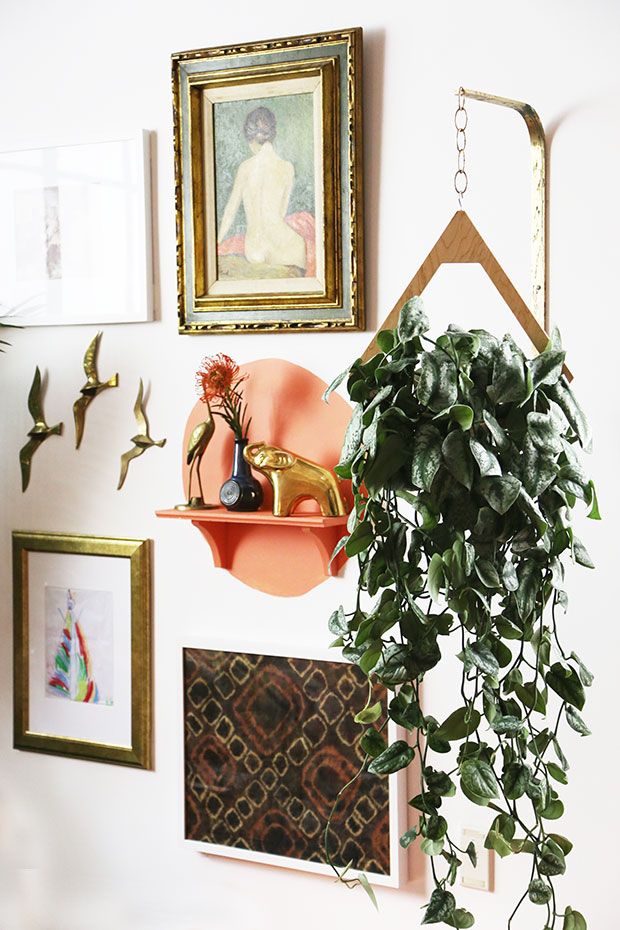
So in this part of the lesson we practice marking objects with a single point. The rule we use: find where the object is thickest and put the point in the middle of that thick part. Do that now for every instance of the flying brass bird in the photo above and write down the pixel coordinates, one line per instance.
(90, 390)
(40, 430)
(199, 439)
(142, 440)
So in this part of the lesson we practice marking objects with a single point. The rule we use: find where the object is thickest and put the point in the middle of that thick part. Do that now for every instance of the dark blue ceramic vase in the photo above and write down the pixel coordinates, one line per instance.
(241, 491)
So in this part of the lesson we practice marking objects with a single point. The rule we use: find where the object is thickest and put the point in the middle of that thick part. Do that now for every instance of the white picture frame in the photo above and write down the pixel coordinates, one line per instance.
(76, 233)
(397, 874)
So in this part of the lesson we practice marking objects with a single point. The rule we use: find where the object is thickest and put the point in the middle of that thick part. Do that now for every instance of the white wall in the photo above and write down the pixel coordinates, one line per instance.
(103, 841)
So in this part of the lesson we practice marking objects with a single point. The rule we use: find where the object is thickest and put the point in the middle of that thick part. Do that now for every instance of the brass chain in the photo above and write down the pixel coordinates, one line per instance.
(460, 123)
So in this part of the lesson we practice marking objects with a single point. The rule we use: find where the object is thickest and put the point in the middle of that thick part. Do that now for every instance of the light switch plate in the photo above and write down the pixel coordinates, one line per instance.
(480, 877)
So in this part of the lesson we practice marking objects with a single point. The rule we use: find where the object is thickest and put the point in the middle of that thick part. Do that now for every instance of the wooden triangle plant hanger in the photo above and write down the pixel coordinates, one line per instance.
(461, 243)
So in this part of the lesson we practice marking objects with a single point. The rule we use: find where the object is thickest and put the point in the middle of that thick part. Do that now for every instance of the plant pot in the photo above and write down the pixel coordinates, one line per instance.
(241, 491)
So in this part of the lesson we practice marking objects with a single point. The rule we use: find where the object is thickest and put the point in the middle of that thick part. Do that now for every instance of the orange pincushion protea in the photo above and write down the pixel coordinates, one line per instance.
(217, 375)
(218, 383)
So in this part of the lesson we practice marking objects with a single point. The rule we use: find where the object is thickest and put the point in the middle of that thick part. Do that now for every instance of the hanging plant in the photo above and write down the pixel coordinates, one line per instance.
(464, 469)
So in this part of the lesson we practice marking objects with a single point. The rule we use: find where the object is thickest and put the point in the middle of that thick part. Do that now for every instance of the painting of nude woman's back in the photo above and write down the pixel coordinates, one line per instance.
(269, 187)
(266, 188)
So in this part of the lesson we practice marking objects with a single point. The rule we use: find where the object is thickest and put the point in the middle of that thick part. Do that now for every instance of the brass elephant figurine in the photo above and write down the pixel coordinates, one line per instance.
(293, 479)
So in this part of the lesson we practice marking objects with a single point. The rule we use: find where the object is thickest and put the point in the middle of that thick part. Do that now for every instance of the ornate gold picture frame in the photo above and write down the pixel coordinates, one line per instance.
(269, 192)
(82, 647)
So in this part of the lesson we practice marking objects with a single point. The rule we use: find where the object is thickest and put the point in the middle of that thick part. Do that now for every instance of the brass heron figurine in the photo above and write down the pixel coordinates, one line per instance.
(90, 390)
(40, 430)
(199, 439)
(141, 441)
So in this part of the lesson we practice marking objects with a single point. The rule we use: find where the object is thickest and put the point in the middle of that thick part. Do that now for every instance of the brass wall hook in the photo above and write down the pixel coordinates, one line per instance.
(538, 145)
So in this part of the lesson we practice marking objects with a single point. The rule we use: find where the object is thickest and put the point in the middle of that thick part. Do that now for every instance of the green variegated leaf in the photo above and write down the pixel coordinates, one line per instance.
(379, 397)
(530, 580)
(440, 908)
(509, 383)
(581, 554)
(369, 714)
(508, 725)
(368, 889)
(397, 756)
(458, 458)
(432, 847)
(546, 368)
(496, 841)
(509, 576)
(479, 781)
(487, 573)
(436, 383)
(352, 436)
(436, 576)
(577, 722)
(482, 658)
(551, 859)
(543, 433)
(337, 623)
(461, 919)
(407, 838)
(498, 433)
(426, 456)
(460, 724)
(500, 492)
(360, 539)
(573, 920)
(412, 320)
(335, 383)
(516, 778)
(565, 682)
(587, 678)
(538, 469)
(486, 460)
(372, 743)
(529, 507)
(564, 398)
(539, 892)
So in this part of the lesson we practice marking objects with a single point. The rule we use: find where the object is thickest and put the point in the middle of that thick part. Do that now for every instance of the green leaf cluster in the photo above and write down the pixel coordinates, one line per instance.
(465, 463)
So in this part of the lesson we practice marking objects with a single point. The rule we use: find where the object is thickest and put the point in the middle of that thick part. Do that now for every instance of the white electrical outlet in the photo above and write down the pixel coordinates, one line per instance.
(480, 877)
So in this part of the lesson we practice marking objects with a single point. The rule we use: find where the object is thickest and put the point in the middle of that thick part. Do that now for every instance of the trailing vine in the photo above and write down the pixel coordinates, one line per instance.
(464, 470)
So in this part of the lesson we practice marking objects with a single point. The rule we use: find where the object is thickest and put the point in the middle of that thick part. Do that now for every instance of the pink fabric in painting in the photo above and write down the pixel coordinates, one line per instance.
(302, 223)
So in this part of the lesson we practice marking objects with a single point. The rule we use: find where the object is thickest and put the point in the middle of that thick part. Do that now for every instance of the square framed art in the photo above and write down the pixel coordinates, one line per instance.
(268, 161)
(82, 647)
(269, 741)
(75, 233)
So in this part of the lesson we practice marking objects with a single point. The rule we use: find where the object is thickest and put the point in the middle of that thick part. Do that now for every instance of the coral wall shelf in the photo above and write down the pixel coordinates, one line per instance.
(285, 556)
(223, 531)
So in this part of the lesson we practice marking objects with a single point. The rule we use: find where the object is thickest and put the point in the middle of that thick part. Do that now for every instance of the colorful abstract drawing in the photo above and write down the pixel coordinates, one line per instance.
(72, 676)
(70, 672)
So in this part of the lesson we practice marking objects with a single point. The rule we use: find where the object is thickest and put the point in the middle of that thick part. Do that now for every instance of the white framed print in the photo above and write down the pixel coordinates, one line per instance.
(75, 233)
(269, 740)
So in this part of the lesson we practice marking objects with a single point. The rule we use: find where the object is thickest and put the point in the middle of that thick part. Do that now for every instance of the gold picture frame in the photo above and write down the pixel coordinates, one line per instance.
(130, 595)
(269, 186)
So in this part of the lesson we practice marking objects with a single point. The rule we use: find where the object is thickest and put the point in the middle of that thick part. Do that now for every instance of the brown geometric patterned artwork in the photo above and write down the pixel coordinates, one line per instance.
(269, 742)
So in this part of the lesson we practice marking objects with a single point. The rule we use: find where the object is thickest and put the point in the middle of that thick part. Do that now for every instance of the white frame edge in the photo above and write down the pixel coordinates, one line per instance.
(142, 139)
(398, 874)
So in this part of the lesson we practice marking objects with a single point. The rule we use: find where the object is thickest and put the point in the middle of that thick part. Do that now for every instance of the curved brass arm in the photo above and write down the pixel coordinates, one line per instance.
(539, 197)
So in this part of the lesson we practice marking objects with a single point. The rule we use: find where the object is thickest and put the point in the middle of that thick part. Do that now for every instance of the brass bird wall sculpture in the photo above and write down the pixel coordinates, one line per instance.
(40, 430)
(199, 439)
(141, 441)
(90, 390)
